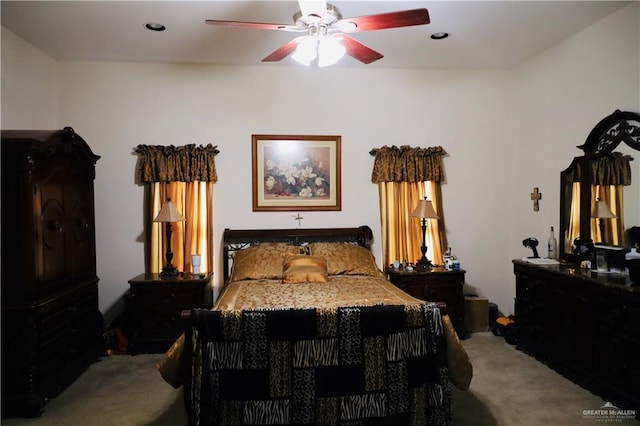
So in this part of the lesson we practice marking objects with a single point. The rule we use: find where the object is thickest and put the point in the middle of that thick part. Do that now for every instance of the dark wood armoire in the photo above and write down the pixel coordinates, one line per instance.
(51, 325)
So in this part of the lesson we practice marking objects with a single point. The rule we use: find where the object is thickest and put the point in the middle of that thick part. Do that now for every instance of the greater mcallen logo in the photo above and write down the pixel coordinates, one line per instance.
(609, 413)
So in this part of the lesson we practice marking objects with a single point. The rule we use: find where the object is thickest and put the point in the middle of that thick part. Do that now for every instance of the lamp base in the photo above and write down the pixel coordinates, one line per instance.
(169, 271)
(424, 264)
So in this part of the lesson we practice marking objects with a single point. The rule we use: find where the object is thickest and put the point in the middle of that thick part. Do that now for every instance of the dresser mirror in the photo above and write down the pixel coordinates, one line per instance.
(610, 168)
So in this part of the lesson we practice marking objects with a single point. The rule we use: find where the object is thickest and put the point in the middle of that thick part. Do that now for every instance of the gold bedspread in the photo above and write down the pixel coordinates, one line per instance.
(340, 290)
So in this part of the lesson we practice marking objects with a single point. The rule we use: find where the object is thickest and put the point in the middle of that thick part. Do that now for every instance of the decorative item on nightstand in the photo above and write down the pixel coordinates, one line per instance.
(531, 243)
(195, 264)
(632, 262)
(424, 210)
(447, 259)
(169, 214)
(632, 258)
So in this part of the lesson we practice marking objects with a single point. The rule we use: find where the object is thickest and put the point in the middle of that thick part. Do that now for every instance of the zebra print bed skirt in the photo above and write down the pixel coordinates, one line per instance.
(368, 365)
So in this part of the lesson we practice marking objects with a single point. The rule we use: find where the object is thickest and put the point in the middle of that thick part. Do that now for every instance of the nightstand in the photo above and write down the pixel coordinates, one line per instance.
(436, 285)
(155, 305)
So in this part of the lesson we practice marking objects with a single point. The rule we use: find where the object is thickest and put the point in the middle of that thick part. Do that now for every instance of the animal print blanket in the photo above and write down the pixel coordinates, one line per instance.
(358, 365)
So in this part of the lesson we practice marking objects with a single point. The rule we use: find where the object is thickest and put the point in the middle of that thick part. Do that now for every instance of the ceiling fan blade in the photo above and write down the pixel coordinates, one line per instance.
(358, 50)
(313, 7)
(254, 25)
(283, 51)
(405, 18)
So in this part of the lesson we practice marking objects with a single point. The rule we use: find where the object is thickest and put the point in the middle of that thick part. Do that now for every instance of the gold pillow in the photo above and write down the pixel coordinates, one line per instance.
(302, 268)
(346, 259)
(262, 261)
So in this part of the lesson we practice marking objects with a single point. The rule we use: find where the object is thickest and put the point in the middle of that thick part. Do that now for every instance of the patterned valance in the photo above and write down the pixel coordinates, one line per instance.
(614, 169)
(408, 164)
(188, 163)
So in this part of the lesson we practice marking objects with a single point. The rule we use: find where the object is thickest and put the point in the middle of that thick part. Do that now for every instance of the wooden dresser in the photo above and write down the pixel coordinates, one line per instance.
(583, 324)
(51, 325)
(435, 285)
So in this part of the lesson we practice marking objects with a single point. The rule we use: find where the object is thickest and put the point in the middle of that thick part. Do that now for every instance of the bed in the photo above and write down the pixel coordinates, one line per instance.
(308, 330)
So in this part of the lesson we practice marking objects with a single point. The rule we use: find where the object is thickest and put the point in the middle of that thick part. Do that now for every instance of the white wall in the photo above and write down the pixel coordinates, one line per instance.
(118, 106)
(558, 97)
(505, 132)
(28, 85)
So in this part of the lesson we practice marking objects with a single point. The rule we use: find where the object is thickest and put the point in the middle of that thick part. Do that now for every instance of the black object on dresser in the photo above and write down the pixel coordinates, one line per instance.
(155, 305)
(435, 285)
(583, 324)
(51, 325)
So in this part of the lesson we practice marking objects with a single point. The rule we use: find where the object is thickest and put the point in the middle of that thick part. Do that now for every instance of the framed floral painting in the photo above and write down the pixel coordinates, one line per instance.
(296, 173)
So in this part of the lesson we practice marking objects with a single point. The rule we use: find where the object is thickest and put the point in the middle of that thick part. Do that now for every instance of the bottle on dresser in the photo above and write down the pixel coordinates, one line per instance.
(552, 246)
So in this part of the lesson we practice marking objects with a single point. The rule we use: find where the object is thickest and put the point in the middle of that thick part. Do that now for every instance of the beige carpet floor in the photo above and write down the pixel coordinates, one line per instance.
(509, 388)
(512, 388)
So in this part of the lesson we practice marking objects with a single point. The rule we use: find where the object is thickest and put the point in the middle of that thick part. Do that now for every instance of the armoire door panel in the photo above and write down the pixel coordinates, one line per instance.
(80, 232)
(50, 229)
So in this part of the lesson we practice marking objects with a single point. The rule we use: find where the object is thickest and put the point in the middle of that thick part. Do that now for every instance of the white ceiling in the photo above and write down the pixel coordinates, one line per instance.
(497, 34)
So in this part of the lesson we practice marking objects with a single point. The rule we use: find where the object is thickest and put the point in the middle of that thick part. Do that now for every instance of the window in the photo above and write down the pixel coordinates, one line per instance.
(404, 176)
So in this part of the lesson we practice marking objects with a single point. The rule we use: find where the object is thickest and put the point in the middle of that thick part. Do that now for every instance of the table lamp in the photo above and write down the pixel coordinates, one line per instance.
(169, 214)
(601, 211)
(424, 210)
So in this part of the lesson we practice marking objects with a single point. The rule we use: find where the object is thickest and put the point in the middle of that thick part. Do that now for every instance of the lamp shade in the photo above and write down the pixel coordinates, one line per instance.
(601, 210)
(424, 210)
(169, 213)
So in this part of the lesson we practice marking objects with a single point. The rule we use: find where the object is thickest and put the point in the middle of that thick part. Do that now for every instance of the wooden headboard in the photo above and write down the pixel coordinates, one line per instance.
(238, 239)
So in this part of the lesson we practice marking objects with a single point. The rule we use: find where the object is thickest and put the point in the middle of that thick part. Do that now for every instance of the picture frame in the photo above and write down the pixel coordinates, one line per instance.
(296, 173)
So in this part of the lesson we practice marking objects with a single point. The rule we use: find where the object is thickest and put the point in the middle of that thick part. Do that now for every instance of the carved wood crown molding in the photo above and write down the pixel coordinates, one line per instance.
(621, 126)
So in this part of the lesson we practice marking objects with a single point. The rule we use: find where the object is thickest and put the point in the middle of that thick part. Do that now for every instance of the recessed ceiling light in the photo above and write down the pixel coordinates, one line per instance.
(153, 26)
(439, 36)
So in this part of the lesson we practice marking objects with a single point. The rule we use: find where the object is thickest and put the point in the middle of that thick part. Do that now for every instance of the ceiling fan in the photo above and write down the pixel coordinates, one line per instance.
(325, 37)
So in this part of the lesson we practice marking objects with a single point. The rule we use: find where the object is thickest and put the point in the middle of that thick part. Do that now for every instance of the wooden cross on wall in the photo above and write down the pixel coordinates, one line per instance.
(298, 218)
(536, 196)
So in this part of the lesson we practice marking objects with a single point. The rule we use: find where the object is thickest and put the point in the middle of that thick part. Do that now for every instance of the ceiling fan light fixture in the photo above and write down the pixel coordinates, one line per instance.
(330, 51)
(306, 51)
(323, 51)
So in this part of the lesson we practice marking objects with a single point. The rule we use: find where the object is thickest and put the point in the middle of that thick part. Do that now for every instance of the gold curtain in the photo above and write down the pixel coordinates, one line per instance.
(609, 175)
(185, 174)
(438, 238)
(193, 236)
(574, 219)
(402, 175)
(401, 234)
